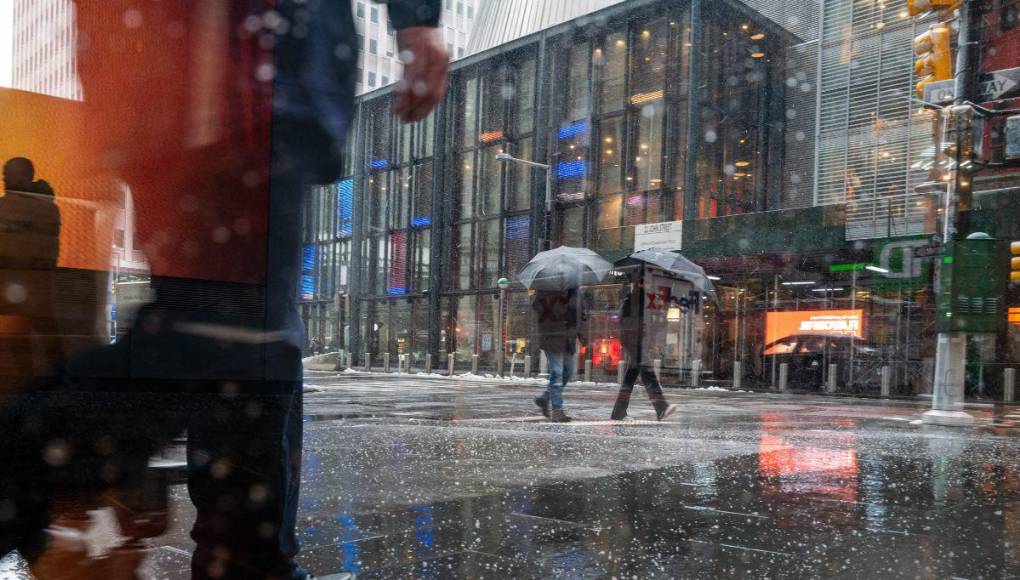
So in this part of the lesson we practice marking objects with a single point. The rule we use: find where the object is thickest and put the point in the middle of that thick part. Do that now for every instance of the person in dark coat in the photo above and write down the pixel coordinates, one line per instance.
(218, 116)
(632, 312)
(559, 317)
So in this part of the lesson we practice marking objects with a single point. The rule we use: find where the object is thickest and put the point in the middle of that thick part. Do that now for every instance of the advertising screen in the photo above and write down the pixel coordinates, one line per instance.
(779, 325)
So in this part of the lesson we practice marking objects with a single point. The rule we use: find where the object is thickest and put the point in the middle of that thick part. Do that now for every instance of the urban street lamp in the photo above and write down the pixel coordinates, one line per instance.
(547, 235)
(503, 284)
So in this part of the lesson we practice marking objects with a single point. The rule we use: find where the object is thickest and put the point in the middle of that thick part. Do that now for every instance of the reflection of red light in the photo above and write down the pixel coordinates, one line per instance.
(793, 469)
(606, 353)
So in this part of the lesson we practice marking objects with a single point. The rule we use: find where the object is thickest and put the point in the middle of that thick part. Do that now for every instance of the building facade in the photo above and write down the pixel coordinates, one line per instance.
(380, 58)
(785, 140)
(44, 47)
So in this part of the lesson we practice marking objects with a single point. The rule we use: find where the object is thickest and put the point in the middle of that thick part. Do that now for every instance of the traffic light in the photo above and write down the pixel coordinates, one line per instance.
(935, 56)
(917, 7)
(1014, 263)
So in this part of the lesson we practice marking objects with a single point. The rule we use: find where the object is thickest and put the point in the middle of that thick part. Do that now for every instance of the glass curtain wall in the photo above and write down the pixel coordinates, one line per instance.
(397, 226)
(491, 233)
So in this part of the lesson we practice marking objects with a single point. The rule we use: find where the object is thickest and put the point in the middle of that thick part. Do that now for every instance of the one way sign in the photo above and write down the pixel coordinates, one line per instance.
(999, 84)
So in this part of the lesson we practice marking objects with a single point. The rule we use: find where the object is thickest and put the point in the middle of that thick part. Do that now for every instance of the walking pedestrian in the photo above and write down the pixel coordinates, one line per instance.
(559, 318)
(632, 311)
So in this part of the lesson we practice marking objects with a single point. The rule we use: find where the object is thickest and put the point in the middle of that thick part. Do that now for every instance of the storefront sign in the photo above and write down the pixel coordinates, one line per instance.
(1013, 316)
(660, 236)
(779, 325)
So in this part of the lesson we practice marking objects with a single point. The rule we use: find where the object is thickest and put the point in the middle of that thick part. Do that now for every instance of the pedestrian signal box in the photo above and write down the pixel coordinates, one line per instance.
(972, 288)
(934, 56)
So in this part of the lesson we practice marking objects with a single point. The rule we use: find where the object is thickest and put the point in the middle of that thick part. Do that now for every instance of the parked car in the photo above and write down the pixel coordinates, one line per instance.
(808, 356)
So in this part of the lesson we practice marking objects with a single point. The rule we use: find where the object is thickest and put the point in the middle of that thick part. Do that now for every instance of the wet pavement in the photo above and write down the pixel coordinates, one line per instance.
(413, 477)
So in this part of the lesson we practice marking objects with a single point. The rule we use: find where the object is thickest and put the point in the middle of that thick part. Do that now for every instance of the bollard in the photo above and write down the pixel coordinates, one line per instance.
(386, 362)
(474, 364)
(368, 362)
(401, 358)
(886, 381)
(833, 383)
(527, 366)
(428, 363)
(350, 361)
(543, 364)
(409, 362)
(696, 373)
(1008, 385)
(587, 370)
(784, 376)
(451, 362)
(657, 369)
(621, 371)
(738, 375)
(513, 365)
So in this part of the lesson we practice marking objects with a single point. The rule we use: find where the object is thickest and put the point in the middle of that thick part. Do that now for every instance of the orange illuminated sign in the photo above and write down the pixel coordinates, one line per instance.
(1013, 316)
(779, 325)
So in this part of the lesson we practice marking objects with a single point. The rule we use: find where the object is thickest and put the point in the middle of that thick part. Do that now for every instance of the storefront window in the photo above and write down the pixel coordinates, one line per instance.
(469, 113)
(611, 155)
(466, 171)
(520, 177)
(524, 97)
(490, 181)
(647, 146)
(488, 253)
(611, 60)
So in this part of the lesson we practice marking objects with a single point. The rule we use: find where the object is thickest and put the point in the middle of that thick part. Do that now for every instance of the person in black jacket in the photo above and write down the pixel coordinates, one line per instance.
(218, 118)
(632, 312)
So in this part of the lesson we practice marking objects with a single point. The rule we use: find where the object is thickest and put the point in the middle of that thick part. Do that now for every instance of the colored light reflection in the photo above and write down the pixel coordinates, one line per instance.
(642, 98)
(490, 136)
(571, 169)
(380, 164)
(574, 129)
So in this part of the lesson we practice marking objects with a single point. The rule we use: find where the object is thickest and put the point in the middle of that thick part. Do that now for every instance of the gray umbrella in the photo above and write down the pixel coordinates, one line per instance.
(677, 265)
(564, 268)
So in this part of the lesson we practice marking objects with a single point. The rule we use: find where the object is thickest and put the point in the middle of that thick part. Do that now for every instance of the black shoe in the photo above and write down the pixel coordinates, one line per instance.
(558, 416)
(663, 410)
(615, 417)
(543, 405)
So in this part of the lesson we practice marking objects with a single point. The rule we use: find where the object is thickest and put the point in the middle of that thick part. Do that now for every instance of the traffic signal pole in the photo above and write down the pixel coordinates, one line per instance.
(951, 347)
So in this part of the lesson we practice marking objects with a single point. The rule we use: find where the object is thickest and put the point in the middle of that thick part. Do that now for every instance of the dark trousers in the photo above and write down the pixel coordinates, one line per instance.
(652, 387)
(182, 368)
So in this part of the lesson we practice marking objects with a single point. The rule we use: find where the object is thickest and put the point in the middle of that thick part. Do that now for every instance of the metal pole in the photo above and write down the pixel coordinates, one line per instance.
(500, 352)
(853, 306)
(951, 348)
(548, 208)
(886, 381)
(833, 383)
(1009, 385)
(784, 376)
(775, 308)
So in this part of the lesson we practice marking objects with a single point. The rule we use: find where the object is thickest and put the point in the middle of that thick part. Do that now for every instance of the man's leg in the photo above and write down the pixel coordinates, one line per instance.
(554, 391)
(243, 473)
(662, 408)
(623, 397)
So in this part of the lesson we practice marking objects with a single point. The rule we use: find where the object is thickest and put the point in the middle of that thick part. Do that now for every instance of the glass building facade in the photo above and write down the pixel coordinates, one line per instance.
(813, 219)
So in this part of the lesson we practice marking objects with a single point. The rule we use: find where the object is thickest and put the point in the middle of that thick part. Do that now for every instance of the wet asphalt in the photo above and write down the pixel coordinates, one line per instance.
(415, 477)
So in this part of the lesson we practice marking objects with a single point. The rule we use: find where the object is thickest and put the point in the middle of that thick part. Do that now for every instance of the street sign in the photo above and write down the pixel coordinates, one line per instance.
(1012, 138)
(661, 236)
(994, 86)
(999, 84)
(941, 92)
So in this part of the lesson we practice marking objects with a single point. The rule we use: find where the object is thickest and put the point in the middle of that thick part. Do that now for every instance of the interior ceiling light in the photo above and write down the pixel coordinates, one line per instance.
(758, 54)
(758, 36)
(742, 163)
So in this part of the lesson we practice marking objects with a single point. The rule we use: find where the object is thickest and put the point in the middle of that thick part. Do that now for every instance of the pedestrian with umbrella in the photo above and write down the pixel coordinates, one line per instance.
(555, 277)
(632, 320)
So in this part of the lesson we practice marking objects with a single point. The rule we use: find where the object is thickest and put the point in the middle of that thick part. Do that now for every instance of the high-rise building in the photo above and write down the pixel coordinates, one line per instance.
(44, 47)
(380, 59)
